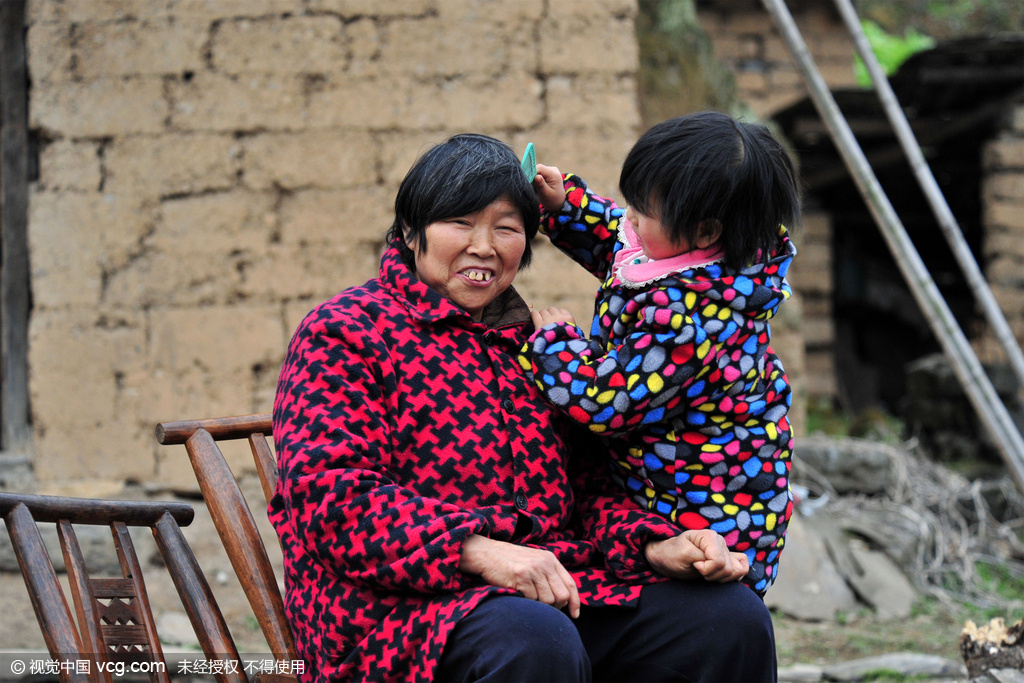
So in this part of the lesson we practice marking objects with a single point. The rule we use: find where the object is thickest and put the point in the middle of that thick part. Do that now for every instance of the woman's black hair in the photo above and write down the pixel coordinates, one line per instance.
(458, 177)
(710, 167)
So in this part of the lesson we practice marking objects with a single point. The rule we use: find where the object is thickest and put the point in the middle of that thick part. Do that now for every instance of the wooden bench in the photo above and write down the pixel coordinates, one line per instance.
(115, 620)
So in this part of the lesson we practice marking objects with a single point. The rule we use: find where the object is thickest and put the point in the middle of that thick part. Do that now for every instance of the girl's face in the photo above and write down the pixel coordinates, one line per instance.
(653, 238)
(472, 259)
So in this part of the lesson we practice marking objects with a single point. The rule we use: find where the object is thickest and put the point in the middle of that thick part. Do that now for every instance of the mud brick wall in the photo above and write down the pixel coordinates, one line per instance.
(744, 39)
(1003, 218)
(211, 169)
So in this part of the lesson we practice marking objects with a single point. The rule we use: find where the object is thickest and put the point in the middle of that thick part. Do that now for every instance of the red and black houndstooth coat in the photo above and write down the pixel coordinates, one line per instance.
(402, 427)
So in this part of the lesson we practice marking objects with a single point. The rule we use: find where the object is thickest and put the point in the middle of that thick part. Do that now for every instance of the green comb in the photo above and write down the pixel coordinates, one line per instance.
(530, 162)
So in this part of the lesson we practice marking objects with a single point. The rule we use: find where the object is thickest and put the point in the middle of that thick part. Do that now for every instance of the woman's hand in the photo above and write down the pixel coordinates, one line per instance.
(697, 553)
(551, 315)
(536, 574)
(549, 187)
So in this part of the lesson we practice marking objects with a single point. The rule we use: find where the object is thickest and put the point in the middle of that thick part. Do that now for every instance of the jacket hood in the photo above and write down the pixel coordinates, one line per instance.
(756, 291)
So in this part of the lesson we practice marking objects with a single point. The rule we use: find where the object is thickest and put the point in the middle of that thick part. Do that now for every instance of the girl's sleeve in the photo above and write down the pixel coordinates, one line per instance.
(333, 430)
(586, 228)
(608, 516)
(660, 369)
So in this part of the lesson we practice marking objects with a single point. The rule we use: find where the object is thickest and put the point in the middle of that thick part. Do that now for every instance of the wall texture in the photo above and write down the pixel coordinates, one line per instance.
(211, 169)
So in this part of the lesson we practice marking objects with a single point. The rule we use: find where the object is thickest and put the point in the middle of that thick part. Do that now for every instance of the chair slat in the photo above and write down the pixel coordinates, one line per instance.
(115, 635)
(112, 588)
(200, 605)
(266, 466)
(81, 592)
(237, 528)
(48, 601)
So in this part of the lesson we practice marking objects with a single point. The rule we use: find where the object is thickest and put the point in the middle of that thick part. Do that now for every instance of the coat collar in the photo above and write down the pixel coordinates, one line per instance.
(427, 305)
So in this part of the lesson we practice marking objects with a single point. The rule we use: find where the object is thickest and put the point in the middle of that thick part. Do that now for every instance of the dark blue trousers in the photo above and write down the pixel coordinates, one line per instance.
(680, 631)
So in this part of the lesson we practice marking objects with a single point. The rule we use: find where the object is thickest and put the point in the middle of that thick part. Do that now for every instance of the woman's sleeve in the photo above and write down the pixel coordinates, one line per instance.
(586, 228)
(608, 516)
(660, 369)
(333, 433)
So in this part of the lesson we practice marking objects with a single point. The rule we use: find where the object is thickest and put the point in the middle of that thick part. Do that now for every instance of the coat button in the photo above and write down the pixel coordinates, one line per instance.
(520, 501)
(508, 405)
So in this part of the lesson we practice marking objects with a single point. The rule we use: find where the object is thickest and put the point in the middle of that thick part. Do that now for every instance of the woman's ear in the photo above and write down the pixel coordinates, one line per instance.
(708, 232)
(408, 237)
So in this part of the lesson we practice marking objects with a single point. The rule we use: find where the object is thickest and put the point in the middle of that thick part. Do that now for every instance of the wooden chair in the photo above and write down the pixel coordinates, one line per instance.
(115, 621)
(231, 514)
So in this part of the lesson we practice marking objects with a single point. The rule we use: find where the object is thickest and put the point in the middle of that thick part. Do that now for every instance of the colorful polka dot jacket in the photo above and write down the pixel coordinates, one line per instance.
(679, 377)
(403, 426)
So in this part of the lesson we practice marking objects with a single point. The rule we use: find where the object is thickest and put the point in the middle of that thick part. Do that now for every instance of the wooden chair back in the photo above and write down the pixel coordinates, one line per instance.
(114, 618)
(231, 513)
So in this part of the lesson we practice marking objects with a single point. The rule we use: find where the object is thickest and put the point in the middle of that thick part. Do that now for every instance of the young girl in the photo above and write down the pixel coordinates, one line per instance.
(679, 371)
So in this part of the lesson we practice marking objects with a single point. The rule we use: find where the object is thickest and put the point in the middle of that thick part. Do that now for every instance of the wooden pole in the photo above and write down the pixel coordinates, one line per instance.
(947, 222)
(15, 434)
(976, 384)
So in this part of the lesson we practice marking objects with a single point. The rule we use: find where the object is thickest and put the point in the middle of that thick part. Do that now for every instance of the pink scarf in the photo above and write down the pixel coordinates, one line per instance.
(633, 269)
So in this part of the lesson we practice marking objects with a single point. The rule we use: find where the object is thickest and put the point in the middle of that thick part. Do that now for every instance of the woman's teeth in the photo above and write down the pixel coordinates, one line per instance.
(478, 275)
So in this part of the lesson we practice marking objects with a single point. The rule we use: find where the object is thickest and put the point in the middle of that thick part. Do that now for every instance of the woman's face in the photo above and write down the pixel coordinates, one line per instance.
(472, 259)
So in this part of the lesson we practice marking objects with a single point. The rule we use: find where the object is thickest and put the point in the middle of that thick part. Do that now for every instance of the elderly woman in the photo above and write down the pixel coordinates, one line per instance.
(435, 522)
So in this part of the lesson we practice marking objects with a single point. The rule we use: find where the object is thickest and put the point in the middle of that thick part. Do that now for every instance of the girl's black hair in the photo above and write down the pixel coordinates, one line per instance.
(458, 177)
(710, 167)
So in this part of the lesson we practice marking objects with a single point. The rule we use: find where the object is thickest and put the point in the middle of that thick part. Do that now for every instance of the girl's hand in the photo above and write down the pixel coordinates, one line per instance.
(696, 553)
(549, 187)
(551, 315)
(536, 574)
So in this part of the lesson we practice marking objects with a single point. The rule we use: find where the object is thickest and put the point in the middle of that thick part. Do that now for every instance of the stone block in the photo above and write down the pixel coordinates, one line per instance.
(229, 9)
(785, 76)
(1007, 272)
(838, 73)
(598, 9)
(124, 48)
(84, 416)
(473, 102)
(498, 11)
(73, 238)
(336, 217)
(1004, 153)
(819, 333)
(216, 339)
(376, 8)
(775, 101)
(999, 242)
(280, 45)
(218, 102)
(568, 45)
(67, 165)
(157, 278)
(324, 159)
(776, 52)
(598, 101)
(172, 164)
(218, 223)
(815, 227)
(752, 82)
(359, 103)
(452, 46)
(1006, 213)
(102, 107)
(364, 40)
(292, 272)
(833, 44)
(1004, 186)
(49, 52)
